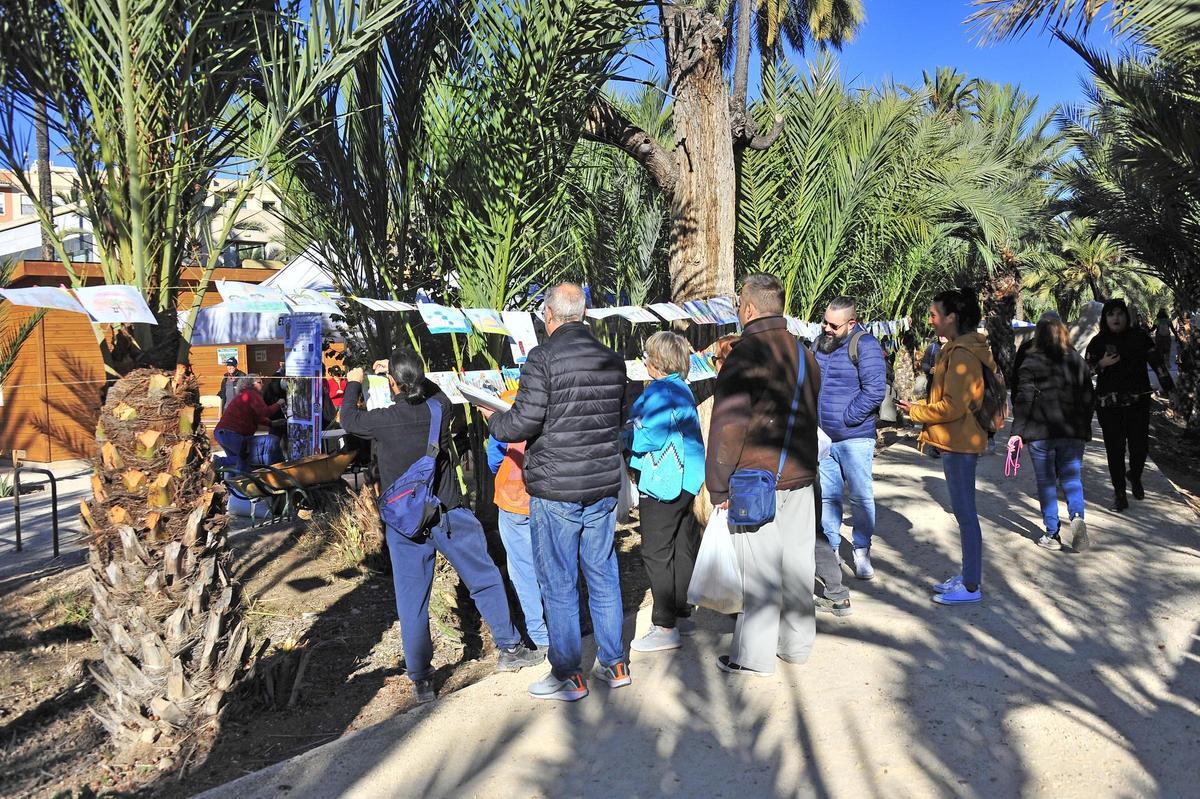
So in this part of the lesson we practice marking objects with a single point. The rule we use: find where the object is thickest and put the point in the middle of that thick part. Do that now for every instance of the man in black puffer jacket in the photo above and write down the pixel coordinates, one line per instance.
(570, 408)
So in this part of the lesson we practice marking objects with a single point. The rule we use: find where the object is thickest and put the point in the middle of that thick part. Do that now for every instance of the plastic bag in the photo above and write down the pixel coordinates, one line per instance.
(717, 578)
(627, 498)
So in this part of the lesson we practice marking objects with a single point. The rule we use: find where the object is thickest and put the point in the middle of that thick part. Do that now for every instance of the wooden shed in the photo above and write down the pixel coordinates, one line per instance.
(51, 396)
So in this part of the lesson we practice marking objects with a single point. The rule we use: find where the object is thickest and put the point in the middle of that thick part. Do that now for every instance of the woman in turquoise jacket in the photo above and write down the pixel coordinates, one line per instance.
(668, 452)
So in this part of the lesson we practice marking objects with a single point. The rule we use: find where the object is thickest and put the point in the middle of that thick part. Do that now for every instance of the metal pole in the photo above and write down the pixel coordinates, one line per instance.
(17, 503)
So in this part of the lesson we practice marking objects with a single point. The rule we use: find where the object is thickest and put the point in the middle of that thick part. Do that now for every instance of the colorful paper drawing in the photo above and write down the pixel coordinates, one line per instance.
(512, 378)
(701, 368)
(635, 370)
(723, 310)
(442, 319)
(43, 297)
(521, 335)
(116, 304)
(669, 311)
(637, 314)
(311, 301)
(379, 392)
(249, 298)
(446, 382)
(387, 306)
(486, 379)
(602, 313)
(485, 320)
(698, 311)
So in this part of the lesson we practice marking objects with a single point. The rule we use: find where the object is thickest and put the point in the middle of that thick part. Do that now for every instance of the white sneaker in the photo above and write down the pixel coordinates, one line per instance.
(946, 585)
(658, 639)
(958, 595)
(1079, 535)
(862, 564)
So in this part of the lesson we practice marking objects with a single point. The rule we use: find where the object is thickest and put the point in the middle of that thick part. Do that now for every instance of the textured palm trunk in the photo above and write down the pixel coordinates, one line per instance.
(166, 614)
(703, 207)
(1000, 298)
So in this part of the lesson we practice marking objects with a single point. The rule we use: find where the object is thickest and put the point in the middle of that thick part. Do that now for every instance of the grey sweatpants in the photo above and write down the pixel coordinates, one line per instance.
(778, 568)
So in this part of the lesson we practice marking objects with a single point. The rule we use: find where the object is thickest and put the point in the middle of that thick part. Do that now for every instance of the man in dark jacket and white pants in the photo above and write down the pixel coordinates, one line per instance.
(570, 408)
(853, 384)
(753, 398)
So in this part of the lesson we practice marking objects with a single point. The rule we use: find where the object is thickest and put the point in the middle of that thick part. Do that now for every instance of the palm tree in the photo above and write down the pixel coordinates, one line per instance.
(1082, 265)
(13, 338)
(698, 175)
(152, 100)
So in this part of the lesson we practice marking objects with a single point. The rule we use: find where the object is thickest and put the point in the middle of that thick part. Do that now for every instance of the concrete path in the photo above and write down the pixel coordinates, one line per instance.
(1077, 677)
(36, 558)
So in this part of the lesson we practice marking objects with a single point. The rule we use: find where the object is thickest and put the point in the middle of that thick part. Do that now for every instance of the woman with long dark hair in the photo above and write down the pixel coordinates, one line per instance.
(1121, 355)
(1052, 416)
(956, 388)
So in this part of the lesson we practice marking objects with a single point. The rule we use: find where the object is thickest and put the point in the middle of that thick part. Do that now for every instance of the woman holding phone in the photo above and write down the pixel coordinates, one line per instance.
(1120, 355)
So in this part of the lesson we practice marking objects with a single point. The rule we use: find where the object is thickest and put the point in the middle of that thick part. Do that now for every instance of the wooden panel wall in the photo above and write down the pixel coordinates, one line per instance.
(23, 415)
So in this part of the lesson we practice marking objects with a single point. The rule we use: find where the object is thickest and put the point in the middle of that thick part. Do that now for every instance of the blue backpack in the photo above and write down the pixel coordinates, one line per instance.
(409, 505)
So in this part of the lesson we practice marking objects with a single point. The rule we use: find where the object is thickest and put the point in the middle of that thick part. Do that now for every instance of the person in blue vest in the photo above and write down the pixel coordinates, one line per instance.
(853, 384)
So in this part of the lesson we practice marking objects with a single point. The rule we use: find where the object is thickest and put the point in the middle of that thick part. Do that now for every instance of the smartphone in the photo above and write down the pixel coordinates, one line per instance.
(1111, 349)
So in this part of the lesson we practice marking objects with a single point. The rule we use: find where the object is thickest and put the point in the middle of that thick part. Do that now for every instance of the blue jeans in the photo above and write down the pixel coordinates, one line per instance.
(236, 446)
(459, 536)
(848, 466)
(1058, 459)
(518, 544)
(959, 469)
(568, 536)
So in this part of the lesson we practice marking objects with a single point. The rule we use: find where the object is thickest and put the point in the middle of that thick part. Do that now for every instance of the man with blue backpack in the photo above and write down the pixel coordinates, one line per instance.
(424, 513)
(853, 385)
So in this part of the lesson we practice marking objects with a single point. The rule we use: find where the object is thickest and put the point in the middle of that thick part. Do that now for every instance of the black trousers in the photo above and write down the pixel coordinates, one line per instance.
(670, 540)
(1126, 428)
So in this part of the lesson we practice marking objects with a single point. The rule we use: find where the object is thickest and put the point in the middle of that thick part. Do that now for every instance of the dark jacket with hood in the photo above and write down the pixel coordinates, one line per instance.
(1054, 397)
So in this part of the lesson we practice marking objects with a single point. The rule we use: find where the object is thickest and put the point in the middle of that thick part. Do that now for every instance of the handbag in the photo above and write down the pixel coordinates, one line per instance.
(752, 491)
(662, 471)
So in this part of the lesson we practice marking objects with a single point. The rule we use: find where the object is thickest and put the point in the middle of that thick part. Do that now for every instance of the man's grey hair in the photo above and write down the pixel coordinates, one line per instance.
(843, 303)
(246, 382)
(566, 302)
(765, 291)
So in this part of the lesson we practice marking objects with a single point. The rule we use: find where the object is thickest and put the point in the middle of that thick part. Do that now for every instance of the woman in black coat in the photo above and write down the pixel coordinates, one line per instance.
(1120, 354)
(1052, 415)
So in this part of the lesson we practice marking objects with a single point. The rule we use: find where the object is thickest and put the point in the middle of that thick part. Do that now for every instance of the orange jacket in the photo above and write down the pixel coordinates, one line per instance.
(510, 481)
(956, 392)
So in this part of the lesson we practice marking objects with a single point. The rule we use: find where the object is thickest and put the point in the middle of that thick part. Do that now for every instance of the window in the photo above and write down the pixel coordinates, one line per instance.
(27, 205)
(3, 202)
(268, 205)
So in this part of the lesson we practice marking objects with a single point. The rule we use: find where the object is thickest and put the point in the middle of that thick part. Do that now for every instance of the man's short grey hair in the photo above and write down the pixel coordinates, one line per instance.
(566, 302)
(843, 303)
(765, 291)
(246, 382)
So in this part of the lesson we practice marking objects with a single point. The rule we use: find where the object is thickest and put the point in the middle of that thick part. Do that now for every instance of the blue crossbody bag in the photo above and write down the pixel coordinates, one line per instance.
(752, 491)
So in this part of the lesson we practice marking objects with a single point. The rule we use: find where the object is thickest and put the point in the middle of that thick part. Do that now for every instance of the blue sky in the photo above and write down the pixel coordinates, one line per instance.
(903, 37)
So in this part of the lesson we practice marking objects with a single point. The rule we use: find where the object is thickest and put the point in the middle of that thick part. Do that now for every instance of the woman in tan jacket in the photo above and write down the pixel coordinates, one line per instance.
(956, 391)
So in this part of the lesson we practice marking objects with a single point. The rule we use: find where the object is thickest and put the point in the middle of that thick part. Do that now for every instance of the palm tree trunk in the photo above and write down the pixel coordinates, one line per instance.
(165, 611)
(1000, 299)
(703, 209)
(45, 192)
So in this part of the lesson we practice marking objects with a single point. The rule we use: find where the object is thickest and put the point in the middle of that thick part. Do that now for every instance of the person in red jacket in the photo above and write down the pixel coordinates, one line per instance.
(241, 419)
(337, 386)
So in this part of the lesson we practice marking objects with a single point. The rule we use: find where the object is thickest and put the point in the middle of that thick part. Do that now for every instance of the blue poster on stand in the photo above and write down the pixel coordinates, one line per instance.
(302, 343)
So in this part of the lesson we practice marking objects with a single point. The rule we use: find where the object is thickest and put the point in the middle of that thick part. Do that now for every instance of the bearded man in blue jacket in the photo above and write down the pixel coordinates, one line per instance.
(853, 385)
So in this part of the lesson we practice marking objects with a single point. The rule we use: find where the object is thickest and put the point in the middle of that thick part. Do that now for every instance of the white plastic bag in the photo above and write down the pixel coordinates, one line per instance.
(717, 578)
(627, 498)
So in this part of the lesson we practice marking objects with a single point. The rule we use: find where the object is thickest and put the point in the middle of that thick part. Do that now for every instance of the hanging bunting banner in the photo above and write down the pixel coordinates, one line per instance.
(442, 319)
(521, 335)
(311, 301)
(385, 306)
(723, 310)
(43, 297)
(699, 312)
(116, 304)
(486, 320)
(669, 311)
(251, 298)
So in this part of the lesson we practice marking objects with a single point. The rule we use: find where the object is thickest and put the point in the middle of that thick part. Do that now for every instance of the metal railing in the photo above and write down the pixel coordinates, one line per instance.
(17, 502)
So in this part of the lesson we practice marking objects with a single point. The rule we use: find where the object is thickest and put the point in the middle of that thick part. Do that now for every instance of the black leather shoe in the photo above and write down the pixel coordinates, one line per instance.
(1135, 488)
(1119, 503)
